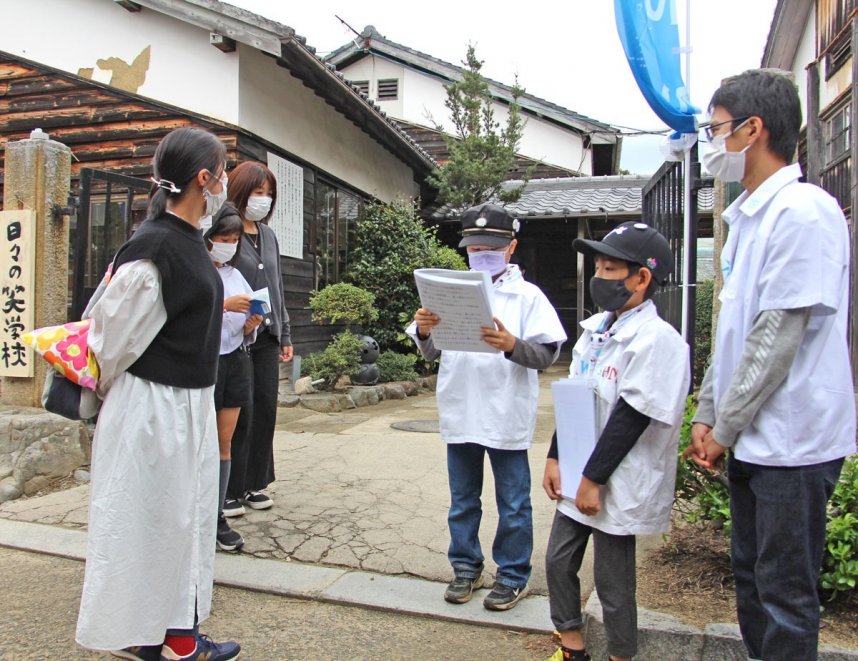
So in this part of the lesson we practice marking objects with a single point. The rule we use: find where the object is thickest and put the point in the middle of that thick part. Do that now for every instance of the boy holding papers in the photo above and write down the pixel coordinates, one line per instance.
(639, 367)
(487, 405)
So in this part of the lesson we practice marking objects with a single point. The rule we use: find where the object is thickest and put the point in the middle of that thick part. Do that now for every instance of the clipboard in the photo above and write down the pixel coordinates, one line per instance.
(576, 418)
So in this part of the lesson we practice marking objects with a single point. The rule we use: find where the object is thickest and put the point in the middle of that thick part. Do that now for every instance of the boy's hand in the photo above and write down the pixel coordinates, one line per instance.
(237, 303)
(498, 338)
(587, 498)
(426, 321)
(551, 479)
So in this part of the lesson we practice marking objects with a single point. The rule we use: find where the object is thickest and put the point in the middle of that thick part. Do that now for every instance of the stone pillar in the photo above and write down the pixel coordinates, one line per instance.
(37, 176)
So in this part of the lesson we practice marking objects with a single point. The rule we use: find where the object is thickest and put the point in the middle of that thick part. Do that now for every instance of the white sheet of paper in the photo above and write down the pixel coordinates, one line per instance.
(575, 416)
(462, 300)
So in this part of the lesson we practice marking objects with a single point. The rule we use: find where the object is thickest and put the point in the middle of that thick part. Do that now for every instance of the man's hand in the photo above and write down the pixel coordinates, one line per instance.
(498, 338)
(587, 498)
(551, 479)
(426, 321)
(237, 303)
(714, 452)
(286, 353)
(695, 449)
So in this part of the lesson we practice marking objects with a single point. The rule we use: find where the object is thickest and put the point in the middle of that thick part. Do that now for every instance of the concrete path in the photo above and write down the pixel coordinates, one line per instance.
(359, 516)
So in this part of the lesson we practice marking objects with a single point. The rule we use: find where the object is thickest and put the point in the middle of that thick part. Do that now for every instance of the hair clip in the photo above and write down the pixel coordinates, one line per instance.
(166, 184)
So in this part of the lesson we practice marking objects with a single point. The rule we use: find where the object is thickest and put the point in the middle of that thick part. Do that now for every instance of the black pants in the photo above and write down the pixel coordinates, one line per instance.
(253, 440)
(779, 518)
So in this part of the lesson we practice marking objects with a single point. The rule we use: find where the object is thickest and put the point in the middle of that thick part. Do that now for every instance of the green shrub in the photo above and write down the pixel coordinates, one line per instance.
(390, 242)
(702, 328)
(394, 366)
(343, 303)
(341, 357)
(840, 559)
(702, 497)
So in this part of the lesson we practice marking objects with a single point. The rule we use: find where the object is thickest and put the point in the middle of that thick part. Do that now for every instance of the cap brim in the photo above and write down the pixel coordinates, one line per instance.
(485, 240)
(590, 247)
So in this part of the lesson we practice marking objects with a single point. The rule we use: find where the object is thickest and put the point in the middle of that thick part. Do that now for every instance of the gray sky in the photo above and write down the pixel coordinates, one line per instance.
(566, 52)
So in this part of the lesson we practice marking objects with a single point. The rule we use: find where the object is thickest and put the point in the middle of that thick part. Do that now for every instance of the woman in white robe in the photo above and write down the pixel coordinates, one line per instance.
(153, 503)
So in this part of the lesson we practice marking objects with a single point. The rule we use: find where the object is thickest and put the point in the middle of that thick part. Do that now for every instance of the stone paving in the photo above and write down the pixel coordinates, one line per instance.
(353, 492)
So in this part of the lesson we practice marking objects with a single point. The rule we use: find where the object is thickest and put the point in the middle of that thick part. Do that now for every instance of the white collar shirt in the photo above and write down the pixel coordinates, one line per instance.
(486, 399)
(788, 248)
(646, 362)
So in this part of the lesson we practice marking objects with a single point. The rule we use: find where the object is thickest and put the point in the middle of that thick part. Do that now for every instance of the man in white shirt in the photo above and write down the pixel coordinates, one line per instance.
(779, 392)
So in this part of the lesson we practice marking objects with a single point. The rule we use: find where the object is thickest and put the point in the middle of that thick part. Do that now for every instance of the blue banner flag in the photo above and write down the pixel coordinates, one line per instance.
(650, 38)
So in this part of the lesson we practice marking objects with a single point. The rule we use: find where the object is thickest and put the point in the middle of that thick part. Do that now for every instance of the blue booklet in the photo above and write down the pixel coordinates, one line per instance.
(260, 302)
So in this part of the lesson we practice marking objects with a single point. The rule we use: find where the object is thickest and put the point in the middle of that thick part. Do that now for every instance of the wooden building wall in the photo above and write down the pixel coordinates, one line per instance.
(111, 130)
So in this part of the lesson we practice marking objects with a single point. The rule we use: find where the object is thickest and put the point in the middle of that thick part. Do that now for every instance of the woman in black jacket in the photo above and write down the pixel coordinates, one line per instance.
(253, 191)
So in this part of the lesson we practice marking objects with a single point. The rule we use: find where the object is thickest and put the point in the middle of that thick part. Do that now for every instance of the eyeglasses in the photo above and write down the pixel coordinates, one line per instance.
(709, 129)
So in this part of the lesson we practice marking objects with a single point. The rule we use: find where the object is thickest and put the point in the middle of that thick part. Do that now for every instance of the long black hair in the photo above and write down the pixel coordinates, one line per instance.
(179, 157)
(226, 221)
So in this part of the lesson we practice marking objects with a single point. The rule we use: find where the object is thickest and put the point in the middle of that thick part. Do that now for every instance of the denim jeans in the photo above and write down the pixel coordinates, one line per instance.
(513, 543)
(778, 537)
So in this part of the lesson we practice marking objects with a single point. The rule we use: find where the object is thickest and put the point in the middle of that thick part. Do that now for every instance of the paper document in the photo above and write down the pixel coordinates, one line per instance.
(462, 300)
(260, 302)
(575, 416)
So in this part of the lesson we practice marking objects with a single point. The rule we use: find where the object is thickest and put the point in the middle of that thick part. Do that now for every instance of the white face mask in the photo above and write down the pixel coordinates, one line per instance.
(258, 207)
(222, 252)
(214, 201)
(728, 166)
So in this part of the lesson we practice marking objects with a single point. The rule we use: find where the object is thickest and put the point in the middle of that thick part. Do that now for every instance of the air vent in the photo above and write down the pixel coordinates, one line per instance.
(362, 85)
(388, 89)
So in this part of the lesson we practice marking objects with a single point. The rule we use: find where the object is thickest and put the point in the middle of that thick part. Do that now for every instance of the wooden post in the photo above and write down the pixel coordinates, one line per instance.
(815, 142)
(37, 177)
(853, 154)
(580, 285)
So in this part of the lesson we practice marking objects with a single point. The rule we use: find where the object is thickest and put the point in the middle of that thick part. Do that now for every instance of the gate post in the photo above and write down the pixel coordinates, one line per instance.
(37, 176)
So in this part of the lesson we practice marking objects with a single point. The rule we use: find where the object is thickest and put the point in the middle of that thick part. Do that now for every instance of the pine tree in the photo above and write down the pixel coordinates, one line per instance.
(481, 153)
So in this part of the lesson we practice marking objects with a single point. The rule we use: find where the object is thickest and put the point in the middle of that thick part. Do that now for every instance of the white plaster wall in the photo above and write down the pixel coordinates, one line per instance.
(805, 54)
(278, 107)
(836, 85)
(184, 70)
(422, 99)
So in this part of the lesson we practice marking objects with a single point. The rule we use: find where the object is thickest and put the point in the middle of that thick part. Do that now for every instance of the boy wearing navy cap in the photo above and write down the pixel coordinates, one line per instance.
(487, 405)
(640, 367)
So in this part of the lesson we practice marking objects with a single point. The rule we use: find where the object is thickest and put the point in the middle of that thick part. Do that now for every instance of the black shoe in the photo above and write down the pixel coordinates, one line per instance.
(231, 507)
(461, 589)
(502, 597)
(256, 500)
(227, 538)
(139, 653)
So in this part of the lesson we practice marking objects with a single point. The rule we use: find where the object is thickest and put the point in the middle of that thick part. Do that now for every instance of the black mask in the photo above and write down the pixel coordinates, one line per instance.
(609, 295)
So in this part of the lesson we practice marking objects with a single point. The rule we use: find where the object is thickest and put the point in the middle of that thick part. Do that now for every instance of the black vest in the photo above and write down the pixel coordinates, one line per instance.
(185, 352)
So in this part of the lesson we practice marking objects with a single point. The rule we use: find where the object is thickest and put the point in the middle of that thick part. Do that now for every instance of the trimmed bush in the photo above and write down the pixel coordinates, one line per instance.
(390, 242)
(394, 366)
(343, 304)
(341, 357)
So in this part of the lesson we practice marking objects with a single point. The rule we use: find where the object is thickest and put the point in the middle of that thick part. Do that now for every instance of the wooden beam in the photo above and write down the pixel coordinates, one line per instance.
(129, 5)
(221, 42)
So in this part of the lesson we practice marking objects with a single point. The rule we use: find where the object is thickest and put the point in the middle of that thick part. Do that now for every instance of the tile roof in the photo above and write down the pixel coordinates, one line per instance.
(610, 197)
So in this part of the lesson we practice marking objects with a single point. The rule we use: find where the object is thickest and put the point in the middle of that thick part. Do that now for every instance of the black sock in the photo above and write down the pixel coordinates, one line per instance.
(574, 655)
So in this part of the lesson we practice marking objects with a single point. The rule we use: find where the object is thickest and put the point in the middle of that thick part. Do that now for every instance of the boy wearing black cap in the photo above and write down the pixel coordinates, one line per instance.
(487, 405)
(640, 367)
